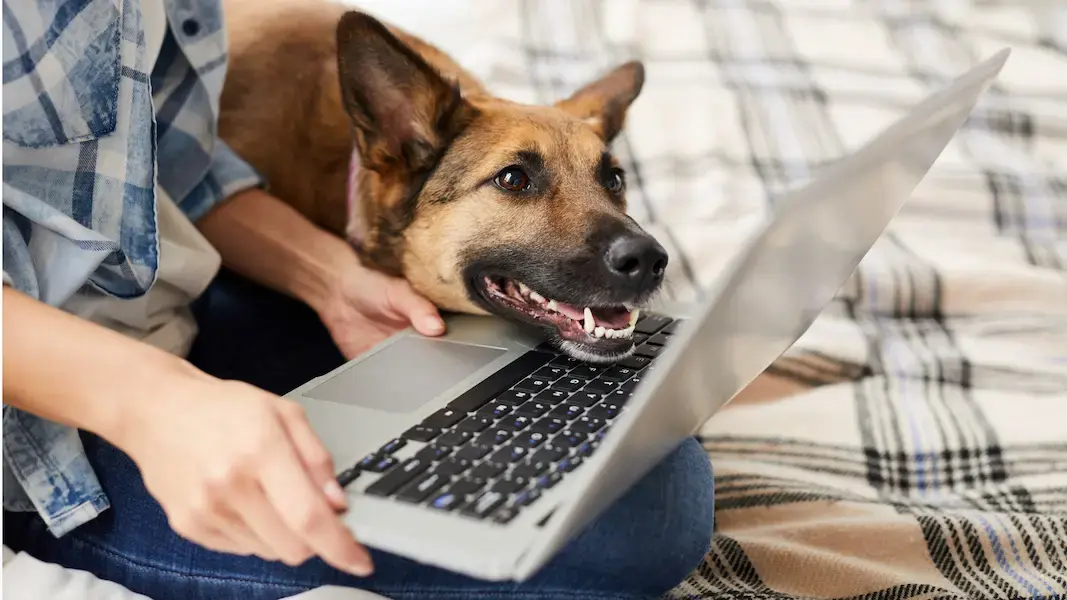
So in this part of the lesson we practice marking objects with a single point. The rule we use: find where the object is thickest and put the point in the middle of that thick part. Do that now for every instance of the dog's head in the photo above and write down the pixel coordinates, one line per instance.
(486, 205)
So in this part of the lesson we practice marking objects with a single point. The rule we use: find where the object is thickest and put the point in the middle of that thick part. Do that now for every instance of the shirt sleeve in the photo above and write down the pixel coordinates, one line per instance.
(228, 175)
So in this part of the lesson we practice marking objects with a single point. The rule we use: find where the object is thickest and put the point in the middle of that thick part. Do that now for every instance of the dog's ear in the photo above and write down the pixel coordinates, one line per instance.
(603, 103)
(405, 113)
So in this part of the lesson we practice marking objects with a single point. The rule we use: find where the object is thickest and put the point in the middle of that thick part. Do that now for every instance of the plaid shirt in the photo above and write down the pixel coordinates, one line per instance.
(86, 122)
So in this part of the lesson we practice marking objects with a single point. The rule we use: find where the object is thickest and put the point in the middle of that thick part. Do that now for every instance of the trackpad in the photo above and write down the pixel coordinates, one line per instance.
(405, 375)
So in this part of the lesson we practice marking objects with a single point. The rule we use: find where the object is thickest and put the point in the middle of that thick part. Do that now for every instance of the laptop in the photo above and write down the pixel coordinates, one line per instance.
(485, 451)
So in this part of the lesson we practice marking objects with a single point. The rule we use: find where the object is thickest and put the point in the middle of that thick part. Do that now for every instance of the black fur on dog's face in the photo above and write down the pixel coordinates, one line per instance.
(488, 206)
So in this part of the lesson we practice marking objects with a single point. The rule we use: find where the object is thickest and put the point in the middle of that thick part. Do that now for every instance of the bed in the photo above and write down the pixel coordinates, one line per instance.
(913, 444)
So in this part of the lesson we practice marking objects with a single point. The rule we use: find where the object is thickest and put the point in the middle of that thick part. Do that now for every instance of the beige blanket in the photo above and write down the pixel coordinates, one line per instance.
(914, 443)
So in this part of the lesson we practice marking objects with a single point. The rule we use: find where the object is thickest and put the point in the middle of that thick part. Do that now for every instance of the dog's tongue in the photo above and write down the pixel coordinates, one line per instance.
(574, 312)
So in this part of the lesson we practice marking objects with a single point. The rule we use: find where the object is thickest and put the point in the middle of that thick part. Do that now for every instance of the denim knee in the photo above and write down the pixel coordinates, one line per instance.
(652, 538)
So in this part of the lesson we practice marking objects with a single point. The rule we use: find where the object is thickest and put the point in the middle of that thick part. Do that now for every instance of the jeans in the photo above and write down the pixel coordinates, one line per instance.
(640, 547)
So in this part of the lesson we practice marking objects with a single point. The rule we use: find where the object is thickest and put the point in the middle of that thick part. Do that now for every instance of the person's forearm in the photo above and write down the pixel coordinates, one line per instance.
(268, 241)
(75, 372)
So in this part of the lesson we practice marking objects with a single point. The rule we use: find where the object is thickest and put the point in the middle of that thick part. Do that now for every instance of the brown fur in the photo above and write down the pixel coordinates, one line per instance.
(429, 154)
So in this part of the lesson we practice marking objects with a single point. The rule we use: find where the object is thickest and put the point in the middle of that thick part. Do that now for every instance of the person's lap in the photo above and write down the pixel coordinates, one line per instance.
(641, 546)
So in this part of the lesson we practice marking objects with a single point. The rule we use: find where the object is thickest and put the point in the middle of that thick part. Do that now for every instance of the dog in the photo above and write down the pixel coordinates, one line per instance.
(484, 205)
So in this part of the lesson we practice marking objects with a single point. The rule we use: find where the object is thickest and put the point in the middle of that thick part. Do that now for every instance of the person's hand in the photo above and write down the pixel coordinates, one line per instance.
(239, 470)
(366, 306)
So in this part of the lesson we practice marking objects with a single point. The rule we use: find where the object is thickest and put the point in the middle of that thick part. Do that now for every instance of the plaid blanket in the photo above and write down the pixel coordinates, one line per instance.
(913, 444)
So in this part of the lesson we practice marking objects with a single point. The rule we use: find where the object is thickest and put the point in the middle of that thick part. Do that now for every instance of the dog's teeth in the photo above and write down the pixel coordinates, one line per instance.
(634, 314)
(609, 333)
(552, 305)
(525, 291)
(599, 332)
(536, 297)
(590, 324)
(628, 332)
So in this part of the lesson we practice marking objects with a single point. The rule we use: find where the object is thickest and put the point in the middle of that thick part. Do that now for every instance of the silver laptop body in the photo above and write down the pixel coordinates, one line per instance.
(368, 412)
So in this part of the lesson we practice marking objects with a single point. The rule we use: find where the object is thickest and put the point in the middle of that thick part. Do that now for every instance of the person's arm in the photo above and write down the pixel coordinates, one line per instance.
(236, 469)
(268, 241)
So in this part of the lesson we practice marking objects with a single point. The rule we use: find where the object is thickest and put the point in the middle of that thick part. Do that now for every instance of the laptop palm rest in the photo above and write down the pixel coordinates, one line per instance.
(405, 375)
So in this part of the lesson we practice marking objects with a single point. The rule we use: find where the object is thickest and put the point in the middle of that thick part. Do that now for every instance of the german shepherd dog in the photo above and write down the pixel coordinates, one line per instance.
(484, 205)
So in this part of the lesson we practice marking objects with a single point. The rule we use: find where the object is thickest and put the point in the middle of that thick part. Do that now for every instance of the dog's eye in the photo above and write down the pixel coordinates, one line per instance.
(513, 179)
(616, 182)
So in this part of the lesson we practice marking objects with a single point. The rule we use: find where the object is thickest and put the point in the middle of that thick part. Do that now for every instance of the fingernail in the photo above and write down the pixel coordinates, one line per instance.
(363, 568)
(433, 325)
(335, 493)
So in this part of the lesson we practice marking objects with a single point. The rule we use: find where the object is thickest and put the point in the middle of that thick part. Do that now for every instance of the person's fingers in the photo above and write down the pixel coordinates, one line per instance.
(420, 312)
(209, 535)
(262, 520)
(305, 510)
(313, 454)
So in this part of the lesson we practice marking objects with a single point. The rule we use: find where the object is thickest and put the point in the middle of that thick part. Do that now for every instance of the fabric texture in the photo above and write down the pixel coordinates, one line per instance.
(912, 444)
(85, 120)
(637, 549)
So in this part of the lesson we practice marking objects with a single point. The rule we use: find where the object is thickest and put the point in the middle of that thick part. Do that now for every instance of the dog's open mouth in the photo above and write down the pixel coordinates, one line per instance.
(595, 333)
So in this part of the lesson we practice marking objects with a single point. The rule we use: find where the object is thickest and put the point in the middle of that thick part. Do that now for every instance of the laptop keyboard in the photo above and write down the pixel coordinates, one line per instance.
(495, 449)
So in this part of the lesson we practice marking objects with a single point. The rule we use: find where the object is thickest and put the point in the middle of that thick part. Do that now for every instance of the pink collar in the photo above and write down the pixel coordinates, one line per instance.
(356, 228)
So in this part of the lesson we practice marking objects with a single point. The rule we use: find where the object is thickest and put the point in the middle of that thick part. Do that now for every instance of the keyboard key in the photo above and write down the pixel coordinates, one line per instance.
(584, 398)
(510, 454)
(533, 408)
(631, 385)
(587, 371)
(586, 449)
(660, 339)
(444, 418)
(553, 396)
(498, 382)
(635, 362)
(567, 411)
(570, 384)
(493, 437)
(488, 470)
(348, 476)
(569, 464)
(509, 485)
(484, 505)
(527, 497)
(568, 438)
(588, 424)
(514, 422)
(395, 479)
(648, 350)
(600, 386)
(433, 453)
(452, 439)
(505, 515)
(448, 501)
(421, 488)
(673, 327)
(651, 323)
(550, 373)
(393, 446)
(369, 460)
(533, 384)
(565, 361)
(548, 481)
(453, 466)
(514, 397)
(466, 487)
(495, 410)
(605, 411)
(529, 469)
(473, 451)
(382, 465)
(419, 433)
(618, 374)
(530, 439)
(549, 453)
(474, 424)
(639, 338)
(549, 425)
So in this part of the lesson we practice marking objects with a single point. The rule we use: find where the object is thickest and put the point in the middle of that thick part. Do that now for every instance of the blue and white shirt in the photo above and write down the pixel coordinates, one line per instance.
(86, 123)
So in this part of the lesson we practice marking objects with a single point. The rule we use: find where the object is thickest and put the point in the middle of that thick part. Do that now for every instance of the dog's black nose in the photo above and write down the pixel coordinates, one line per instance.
(636, 261)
